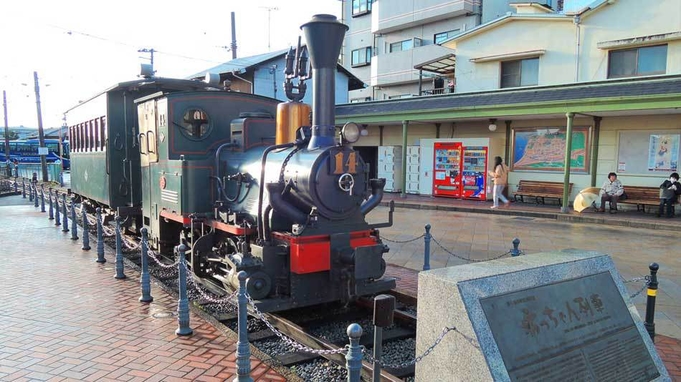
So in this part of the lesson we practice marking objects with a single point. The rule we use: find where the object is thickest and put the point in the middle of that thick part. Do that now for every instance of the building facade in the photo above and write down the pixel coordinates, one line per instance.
(611, 70)
(387, 39)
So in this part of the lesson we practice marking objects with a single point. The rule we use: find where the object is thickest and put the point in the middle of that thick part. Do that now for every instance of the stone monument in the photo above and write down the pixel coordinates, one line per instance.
(557, 316)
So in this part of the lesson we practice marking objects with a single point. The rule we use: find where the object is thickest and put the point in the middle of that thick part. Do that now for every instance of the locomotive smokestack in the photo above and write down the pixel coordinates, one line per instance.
(324, 35)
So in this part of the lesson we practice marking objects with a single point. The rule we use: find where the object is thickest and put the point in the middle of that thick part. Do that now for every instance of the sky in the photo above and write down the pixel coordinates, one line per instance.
(81, 47)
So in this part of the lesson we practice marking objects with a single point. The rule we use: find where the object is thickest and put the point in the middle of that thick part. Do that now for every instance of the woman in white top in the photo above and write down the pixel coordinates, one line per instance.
(500, 176)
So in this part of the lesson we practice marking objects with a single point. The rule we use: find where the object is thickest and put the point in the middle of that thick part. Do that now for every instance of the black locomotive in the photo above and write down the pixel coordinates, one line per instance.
(246, 182)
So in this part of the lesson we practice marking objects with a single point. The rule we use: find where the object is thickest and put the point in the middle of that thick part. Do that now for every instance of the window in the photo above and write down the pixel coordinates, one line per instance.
(361, 57)
(195, 123)
(439, 38)
(520, 73)
(361, 7)
(638, 61)
(406, 44)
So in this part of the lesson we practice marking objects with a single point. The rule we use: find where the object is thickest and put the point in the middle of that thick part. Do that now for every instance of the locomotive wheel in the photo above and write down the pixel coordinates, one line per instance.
(258, 285)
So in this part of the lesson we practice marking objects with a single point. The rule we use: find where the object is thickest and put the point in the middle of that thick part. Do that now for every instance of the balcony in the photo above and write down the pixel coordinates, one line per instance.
(398, 67)
(391, 15)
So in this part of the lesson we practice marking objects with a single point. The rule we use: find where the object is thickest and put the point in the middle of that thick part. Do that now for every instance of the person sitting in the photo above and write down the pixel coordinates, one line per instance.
(610, 192)
(670, 190)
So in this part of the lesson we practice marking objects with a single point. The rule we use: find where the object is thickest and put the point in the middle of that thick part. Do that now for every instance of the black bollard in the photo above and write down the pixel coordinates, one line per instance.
(515, 251)
(243, 350)
(42, 199)
(183, 328)
(65, 223)
(16, 186)
(35, 194)
(30, 192)
(100, 238)
(57, 218)
(426, 248)
(650, 303)
(384, 311)
(145, 280)
(86, 233)
(120, 275)
(23, 188)
(74, 224)
(49, 196)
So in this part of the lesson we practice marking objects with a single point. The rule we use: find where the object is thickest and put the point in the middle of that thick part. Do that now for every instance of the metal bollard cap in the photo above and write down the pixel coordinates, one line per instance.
(144, 231)
(242, 275)
(354, 331)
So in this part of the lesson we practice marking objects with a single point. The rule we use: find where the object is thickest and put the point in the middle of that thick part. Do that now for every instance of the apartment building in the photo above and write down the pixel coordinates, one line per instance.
(391, 44)
(611, 70)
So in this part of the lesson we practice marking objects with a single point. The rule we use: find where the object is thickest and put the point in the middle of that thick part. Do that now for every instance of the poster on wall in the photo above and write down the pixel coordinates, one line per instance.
(663, 152)
(543, 149)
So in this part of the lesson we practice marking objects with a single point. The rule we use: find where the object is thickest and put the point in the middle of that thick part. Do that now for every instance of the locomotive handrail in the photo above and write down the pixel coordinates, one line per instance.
(390, 217)
(221, 189)
(261, 189)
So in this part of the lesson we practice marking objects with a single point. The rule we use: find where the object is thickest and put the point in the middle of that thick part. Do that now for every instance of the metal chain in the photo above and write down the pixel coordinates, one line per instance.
(153, 255)
(418, 359)
(400, 241)
(204, 295)
(637, 279)
(132, 247)
(468, 259)
(286, 339)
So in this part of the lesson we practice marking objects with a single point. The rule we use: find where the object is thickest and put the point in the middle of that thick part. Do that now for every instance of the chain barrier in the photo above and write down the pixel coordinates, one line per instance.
(402, 241)
(127, 242)
(637, 279)
(447, 329)
(286, 339)
(509, 252)
(206, 296)
(468, 259)
(153, 255)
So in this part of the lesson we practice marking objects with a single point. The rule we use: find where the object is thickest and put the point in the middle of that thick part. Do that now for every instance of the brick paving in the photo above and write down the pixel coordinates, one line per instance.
(64, 317)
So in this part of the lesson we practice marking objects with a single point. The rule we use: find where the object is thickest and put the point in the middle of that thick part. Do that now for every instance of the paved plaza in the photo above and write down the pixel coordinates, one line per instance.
(483, 235)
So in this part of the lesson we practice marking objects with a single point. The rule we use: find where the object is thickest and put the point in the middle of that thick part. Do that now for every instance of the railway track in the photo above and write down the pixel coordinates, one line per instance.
(321, 329)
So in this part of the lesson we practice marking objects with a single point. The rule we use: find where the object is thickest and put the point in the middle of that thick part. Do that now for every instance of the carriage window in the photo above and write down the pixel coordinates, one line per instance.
(96, 134)
(195, 123)
(103, 136)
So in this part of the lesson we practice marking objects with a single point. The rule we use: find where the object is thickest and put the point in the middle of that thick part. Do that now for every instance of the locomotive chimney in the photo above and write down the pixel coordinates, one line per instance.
(324, 35)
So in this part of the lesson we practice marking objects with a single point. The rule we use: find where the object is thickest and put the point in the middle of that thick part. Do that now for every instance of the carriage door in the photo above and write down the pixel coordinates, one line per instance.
(148, 122)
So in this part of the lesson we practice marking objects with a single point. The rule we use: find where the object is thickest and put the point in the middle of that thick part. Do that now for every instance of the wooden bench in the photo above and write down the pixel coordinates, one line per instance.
(540, 190)
(642, 197)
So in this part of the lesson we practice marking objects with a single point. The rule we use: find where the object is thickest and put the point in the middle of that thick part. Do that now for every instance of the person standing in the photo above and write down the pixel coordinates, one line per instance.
(669, 193)
(610, 192)
(500, 176)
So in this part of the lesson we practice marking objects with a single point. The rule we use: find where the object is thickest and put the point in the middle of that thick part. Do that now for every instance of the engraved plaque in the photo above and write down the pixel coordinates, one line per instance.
(574, 330)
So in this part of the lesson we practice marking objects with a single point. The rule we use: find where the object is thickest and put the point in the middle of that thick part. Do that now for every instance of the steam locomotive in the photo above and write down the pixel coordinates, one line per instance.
(246, 182)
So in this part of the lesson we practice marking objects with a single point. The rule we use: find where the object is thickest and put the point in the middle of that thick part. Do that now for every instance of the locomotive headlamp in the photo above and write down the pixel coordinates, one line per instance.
(350, 132)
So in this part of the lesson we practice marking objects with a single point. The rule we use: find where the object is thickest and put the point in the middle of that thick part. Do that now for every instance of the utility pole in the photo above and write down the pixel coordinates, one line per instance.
(41, 135)
(4, 107)
(269, 24)
(151, 54)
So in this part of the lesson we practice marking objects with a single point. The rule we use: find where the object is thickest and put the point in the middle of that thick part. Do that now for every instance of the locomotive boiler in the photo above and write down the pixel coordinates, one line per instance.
(282, 199)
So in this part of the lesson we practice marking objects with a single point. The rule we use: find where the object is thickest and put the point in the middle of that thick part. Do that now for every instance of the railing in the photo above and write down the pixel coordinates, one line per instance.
(26, 170)
(437, 91)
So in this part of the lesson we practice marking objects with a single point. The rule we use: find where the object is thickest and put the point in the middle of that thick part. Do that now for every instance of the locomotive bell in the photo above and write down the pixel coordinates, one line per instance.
(324, 35)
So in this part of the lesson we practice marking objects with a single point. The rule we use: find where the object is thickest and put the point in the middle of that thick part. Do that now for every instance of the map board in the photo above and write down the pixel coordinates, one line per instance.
(543, 149)
(648, 152)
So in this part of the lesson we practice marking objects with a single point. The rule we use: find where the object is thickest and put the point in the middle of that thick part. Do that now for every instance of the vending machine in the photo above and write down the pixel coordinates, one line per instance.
(474, 178)
(447, 169)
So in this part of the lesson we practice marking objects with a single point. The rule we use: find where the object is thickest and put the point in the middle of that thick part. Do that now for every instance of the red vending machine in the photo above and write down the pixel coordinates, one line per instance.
(474, 172)
(447, 169)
